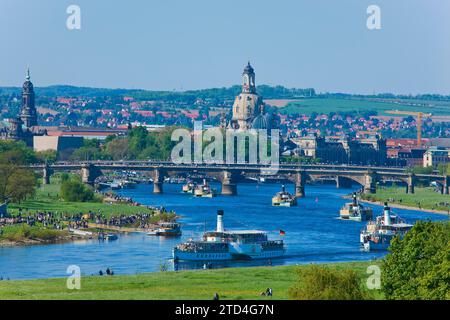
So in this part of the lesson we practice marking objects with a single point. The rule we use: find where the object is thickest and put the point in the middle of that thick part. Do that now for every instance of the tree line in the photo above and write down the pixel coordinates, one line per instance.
(138, 144)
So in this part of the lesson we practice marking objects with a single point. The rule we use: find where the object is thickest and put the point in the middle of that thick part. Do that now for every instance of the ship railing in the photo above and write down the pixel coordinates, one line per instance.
(203, 247)
(272, 243)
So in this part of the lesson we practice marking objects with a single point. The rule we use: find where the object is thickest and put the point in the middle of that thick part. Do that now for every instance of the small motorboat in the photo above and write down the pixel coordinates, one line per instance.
(107, 236)
(112, 236)
(166, 229)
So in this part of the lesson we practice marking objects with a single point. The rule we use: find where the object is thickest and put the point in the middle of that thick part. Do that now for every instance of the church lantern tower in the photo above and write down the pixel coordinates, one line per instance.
(248, 103)
(248, 79)
(28, 113)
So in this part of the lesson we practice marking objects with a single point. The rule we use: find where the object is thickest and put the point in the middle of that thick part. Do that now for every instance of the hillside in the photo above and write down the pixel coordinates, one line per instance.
(327, 105)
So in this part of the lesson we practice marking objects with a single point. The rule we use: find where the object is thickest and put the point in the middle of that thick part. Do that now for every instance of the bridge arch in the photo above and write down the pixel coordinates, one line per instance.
(358, 179)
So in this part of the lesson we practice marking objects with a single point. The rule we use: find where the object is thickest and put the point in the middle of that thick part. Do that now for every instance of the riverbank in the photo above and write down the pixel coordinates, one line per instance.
(229, 283)
(47, 199)
(24, 235)
(424, 199)
(46, 218)
(399, 206)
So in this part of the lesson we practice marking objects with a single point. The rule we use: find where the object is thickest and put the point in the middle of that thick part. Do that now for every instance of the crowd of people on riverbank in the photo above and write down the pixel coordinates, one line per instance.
(61, 220)
(46, 218)
(113, 197)
(140, 220)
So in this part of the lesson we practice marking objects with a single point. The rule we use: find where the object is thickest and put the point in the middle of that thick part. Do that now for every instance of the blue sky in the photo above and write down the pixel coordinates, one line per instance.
(179, 44)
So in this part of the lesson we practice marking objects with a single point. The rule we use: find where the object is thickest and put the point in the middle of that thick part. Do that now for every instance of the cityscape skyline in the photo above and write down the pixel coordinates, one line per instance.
(229, 150)
(407, 56)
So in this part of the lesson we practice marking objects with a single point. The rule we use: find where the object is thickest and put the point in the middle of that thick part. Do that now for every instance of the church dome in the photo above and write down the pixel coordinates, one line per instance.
(260, 122)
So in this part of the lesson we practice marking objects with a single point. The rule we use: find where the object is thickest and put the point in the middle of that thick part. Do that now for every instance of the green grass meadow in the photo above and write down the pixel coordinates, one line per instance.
(427, 197)
(47, 199)
(229, 283)
(327, 105)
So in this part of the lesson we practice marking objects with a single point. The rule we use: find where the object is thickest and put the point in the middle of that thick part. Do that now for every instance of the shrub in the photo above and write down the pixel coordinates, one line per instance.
(64, 177)
(163, 217)
(322, 283)
(75, 191)
(418, 266)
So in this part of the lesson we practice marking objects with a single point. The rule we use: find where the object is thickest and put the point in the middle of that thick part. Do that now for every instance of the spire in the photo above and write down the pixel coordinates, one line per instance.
(28, 109)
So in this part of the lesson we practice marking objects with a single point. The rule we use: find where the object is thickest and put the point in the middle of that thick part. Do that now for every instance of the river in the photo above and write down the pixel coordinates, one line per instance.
(313, 233)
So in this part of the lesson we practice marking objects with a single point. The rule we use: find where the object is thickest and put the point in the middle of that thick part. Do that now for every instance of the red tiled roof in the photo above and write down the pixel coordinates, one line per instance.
(145, 113)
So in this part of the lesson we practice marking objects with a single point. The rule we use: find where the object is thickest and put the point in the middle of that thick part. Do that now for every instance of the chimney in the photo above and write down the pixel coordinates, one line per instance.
(387, 215)
(219, 221)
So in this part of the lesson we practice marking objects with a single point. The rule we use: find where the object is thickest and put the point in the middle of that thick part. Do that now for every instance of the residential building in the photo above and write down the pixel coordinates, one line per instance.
(435, 156)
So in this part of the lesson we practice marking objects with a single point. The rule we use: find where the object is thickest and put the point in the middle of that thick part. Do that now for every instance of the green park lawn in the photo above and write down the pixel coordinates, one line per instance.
(425, 196)
(47, 199)
(230, 283)
(327, 105)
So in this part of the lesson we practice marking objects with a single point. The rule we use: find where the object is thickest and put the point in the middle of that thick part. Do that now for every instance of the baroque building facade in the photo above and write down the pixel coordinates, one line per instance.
(248, 111)
(24, 126)
(368, 151)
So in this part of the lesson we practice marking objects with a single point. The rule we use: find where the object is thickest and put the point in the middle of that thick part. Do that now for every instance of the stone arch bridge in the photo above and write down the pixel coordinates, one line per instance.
(230, 175)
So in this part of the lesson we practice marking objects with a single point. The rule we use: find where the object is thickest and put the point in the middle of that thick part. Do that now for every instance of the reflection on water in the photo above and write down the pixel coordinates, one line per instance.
(313, 233)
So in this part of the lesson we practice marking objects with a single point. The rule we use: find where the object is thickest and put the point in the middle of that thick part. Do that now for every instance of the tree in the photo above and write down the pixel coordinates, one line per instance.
(25, 153)
(118, 149)
(444, 168)
(418, 266)
(47, 156)
(16, 182)
(75, 191)
(87, 153)
(155, 145)
(137, 137)
(322, 283)
(420, 170)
